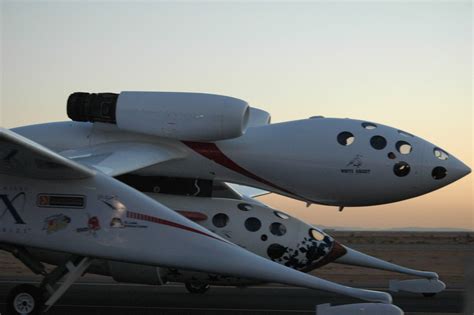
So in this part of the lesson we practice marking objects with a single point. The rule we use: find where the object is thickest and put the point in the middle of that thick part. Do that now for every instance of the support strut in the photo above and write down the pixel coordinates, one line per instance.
(71, 271)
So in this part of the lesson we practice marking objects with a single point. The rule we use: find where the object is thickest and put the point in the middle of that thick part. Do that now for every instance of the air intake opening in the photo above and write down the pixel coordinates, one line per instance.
(92, 107)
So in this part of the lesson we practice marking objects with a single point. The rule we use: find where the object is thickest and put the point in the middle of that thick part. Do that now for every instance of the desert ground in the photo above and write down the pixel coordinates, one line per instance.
(446, 253)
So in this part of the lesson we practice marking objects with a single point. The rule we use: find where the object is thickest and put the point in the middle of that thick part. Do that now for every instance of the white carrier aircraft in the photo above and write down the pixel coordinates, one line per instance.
(141, 186)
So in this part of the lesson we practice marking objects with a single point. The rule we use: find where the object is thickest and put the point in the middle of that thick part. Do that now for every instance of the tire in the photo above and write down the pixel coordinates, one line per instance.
(197, 287)
(428, 295)
(25, 299)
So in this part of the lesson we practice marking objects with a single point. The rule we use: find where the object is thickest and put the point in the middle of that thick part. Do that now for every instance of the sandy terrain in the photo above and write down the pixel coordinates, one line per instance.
(446, 253)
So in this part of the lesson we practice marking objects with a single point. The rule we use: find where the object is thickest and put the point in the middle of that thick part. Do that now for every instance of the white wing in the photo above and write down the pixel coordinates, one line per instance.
(248, 191)
(122, 157)
(20, 156)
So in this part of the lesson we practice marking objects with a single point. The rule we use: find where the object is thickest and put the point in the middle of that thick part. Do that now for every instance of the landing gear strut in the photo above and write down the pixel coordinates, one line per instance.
(196, 287)
(27, 299)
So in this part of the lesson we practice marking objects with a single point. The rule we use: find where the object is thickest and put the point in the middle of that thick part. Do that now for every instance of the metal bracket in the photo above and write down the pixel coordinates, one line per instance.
(22, 254)
(71, 273)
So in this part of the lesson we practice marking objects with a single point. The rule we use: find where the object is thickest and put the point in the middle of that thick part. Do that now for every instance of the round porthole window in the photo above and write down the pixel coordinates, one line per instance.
(275, 251)
(244, 206)
(403, 147)
(369, 126)
(253, 224)
(439, 172)
(440, 154)
(404, 133)
(316, 235)
(281, 215)
(220, 220)
(345, 138)
(401, 169)
(277, 229)
(378, 142)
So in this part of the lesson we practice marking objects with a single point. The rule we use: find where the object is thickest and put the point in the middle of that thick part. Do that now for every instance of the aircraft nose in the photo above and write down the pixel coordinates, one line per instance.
(445, 168)
(460, 169)
(319, 250)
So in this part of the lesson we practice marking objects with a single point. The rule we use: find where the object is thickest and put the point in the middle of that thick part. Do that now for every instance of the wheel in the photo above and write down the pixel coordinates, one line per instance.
(197, 287)
(25, 299)
(429, 294)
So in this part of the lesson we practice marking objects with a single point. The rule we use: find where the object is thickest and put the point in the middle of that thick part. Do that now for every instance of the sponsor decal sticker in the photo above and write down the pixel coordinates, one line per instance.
(354, 166)
(113, 202)
(93, 225)
(17, 230)
(11, 205)
(356, 161)
(56, 223)
(118, 223)
(61, 201)
(43, 200)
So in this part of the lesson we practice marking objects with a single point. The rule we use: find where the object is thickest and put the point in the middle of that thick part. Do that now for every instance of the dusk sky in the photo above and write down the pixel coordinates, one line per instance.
(404, 64)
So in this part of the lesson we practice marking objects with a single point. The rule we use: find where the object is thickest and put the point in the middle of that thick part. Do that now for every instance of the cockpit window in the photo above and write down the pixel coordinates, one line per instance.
(244, 206)
(253, 224)
(378, 142)
(220, 220)
(275, 251)
(369, 126)
(401, 169)
(404, 133)
(277, 229)
(440, 154)
(403, 147)
(345, 138)
(315, 234)
(281, 215)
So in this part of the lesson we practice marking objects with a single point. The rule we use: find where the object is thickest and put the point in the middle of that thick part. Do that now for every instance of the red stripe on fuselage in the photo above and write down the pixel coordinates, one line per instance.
(149, 218)
(193, 215)
(212, 152)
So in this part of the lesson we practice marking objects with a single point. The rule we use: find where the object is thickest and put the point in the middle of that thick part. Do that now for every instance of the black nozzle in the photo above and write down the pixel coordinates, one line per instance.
(92, 107)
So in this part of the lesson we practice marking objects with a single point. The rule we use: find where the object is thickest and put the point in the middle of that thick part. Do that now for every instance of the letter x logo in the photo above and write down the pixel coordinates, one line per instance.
(11, 208)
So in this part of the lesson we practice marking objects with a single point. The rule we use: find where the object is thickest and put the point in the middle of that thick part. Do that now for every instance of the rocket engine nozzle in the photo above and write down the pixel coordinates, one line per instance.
(92, 107)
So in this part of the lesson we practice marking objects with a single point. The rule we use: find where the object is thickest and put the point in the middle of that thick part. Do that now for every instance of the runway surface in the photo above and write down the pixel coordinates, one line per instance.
(110, 298)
